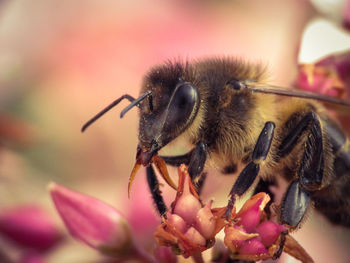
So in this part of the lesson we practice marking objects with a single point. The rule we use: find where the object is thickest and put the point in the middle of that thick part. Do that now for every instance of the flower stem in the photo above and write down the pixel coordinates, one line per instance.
(198, 258)
(143, 255)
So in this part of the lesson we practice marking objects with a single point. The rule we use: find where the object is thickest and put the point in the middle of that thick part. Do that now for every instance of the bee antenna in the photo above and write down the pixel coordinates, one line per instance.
(110, 106)
(135, 103)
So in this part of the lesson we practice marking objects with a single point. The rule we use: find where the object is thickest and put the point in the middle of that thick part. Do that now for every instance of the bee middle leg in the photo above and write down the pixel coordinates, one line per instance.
(248, 175)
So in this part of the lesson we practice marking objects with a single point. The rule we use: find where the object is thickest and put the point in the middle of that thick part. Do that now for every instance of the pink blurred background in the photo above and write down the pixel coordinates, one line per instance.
(62, 61)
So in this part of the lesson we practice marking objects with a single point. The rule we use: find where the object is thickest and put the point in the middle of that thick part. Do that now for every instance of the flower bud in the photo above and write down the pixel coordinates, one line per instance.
(92, 221)
(252, 247)
(205, 221)
(250, 218)
(190, 227)
(249, 235)
(269, 232)
(29, 226)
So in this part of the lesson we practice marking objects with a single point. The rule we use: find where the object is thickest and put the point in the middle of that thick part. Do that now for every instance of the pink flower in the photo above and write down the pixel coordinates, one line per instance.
(32, 257)
(347, 15)
(190, 226)
(29, 226)
(249, 235)
(328, 76)
(92, 221)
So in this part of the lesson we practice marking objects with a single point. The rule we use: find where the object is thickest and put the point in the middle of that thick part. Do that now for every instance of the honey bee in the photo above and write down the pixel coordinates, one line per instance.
(233, 118)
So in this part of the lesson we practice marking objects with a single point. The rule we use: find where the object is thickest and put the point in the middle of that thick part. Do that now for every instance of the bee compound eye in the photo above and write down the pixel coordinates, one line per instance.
(185, 97)
(182, 106)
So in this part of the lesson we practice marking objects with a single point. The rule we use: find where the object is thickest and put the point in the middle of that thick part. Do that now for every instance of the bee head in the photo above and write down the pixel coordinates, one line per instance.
(168, 111)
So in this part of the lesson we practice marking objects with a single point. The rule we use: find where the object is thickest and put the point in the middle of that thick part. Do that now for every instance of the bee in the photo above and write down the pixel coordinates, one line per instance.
(225, 108)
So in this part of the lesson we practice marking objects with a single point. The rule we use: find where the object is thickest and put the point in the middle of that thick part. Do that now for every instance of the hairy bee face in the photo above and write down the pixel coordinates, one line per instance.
(166, 113)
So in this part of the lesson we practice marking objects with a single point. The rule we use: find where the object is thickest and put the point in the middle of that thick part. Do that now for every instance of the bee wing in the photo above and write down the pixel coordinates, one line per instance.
(341, 106)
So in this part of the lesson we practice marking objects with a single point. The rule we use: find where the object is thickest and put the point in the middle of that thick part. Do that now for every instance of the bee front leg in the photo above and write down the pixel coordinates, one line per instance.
(195, 160)
(156, 193)
(248, 175)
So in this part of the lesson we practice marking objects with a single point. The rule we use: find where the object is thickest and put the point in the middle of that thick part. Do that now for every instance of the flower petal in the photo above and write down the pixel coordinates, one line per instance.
(235, 236)
(261, 197)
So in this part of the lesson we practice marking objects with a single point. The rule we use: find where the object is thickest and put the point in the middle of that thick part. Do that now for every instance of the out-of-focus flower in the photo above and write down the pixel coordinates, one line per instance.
(347, 15)
(32, 257)
(29, 226)
(190, 226)
(249, 235)
(165, 255)
(329, 76)
(15, 131)
(337, 11)
(92, 221)
(320, 80)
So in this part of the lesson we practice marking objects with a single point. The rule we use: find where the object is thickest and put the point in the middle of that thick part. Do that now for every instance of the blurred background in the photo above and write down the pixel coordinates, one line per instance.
(62, 61)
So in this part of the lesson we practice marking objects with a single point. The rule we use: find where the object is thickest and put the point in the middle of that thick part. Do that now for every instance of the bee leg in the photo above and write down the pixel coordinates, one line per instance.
(248, 175)
(177, 160)
(309, 174)
(195, 160)
(156, 193)
(278, 253)
(200, 182)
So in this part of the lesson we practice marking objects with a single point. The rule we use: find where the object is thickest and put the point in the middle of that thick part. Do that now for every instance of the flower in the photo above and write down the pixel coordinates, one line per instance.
(249, 235)
(92, 221)
(190, 226)
(347, 15)
(29, 226)
(32, 257)
(328, 76)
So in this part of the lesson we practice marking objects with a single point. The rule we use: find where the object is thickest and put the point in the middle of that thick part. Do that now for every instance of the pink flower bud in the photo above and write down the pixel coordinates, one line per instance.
(177, 222)
(29, 226)
(187, 206)
(251, 217)
(165, 255)
(189, 227)
(252, 247)
(92, 221)
(269, 232)
(196, 237)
